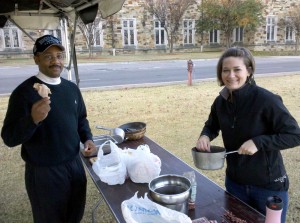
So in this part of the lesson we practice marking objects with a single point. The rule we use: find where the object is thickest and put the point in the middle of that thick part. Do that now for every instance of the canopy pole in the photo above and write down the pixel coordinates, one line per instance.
(73, 56)
(76, 67)
(66, 40)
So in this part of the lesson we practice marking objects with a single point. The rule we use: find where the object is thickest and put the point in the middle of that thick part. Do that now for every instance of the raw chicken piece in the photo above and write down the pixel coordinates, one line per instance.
(42, 89)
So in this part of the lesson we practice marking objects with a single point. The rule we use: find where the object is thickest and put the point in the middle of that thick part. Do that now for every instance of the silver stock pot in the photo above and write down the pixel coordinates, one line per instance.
(212, 160)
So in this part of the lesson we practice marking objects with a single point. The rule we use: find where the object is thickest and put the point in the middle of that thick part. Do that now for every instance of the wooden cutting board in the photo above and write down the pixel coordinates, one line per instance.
(92, 160)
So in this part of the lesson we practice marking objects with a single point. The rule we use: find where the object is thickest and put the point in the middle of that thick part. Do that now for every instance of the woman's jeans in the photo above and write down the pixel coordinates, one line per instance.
(256, 197)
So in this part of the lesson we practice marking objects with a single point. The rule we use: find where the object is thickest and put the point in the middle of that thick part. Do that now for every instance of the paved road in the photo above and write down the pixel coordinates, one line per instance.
(107, 75)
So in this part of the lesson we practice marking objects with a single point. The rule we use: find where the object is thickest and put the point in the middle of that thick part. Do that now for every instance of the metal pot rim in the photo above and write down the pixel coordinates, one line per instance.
(168, 175)
(170, 198)
(213, 149)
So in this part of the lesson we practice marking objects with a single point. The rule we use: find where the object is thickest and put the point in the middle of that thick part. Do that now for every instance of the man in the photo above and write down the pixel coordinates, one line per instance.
(50, 129)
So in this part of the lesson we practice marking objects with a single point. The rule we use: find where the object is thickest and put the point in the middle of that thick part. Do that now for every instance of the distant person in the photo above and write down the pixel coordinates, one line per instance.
(46, 114)
(255, 122)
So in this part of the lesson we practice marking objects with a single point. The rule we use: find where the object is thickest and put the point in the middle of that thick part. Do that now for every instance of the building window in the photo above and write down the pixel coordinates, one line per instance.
(129, 30)
(238, 34)
(188, 31)
(160, 37)
(289, 34)
(50, 32)
(271, 28)
(289, 30)
(214, 36)
(56, 33)
(11, 37)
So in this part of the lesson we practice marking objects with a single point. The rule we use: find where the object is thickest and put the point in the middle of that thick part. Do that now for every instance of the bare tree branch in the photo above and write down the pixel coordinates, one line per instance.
(169, 13)
(89, 34)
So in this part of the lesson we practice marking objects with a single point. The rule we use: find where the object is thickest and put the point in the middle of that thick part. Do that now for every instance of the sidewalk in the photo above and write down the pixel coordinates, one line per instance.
(120, 58)
(83, 58)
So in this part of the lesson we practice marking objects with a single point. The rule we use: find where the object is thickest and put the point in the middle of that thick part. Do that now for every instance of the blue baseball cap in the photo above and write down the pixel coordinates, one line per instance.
(44, 42)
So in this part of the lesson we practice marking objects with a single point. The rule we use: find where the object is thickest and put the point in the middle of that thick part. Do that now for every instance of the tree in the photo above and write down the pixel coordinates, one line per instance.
(111, 21)
(169, 13)
(226, 15)
(90, 33)
(291, 22)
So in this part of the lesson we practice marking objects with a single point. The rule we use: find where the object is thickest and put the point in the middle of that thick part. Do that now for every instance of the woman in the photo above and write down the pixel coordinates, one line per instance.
(255, 122)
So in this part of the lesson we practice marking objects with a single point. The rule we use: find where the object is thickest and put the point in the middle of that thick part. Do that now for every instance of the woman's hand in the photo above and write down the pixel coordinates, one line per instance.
(203, 143)
(248, 148)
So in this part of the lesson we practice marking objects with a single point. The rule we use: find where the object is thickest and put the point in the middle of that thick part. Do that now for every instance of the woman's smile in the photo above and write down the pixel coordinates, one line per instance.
(234, 73)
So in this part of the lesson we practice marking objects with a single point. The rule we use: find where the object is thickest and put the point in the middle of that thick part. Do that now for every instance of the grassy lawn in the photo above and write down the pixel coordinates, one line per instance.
(83, 58)
(174, 115)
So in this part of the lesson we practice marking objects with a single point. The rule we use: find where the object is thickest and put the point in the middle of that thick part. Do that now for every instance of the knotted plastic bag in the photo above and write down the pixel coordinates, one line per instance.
(142, 165)
(110, 167)
(143, 210)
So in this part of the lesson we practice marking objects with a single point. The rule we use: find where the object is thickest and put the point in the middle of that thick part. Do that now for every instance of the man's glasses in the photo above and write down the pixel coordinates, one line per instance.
(50, 57)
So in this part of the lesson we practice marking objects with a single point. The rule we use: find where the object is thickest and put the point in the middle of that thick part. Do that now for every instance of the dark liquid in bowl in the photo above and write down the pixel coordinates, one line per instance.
(170, 190)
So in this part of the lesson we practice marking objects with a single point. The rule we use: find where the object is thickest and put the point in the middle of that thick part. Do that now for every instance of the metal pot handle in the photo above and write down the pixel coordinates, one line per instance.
(235, 151)
(104, 128)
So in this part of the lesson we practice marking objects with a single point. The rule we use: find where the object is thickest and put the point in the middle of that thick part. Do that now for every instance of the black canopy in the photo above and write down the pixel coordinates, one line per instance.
(86, 9)
(48, 14)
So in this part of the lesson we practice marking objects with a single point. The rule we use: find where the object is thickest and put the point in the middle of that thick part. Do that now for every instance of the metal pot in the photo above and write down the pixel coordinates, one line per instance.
(212, 160)
(171, 191)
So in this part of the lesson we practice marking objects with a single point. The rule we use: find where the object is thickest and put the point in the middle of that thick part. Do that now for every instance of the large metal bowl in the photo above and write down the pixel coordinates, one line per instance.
(171, 191)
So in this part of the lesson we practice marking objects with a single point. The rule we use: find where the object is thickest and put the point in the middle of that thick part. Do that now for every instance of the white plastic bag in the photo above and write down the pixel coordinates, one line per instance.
(142, 165)
(110, 167)
(143, 210)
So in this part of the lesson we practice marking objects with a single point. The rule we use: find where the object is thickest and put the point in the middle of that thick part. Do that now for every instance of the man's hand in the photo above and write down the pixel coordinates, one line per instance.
(89, 147)
(40, 110)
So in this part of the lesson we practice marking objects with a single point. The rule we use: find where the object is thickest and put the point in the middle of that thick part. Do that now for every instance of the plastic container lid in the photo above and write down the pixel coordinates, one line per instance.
(274, 203)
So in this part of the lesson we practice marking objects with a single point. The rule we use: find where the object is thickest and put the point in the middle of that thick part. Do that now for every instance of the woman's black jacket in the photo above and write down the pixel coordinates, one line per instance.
(254, 113)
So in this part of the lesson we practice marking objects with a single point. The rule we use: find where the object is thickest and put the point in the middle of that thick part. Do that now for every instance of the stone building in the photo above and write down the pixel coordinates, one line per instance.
(135, 30)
